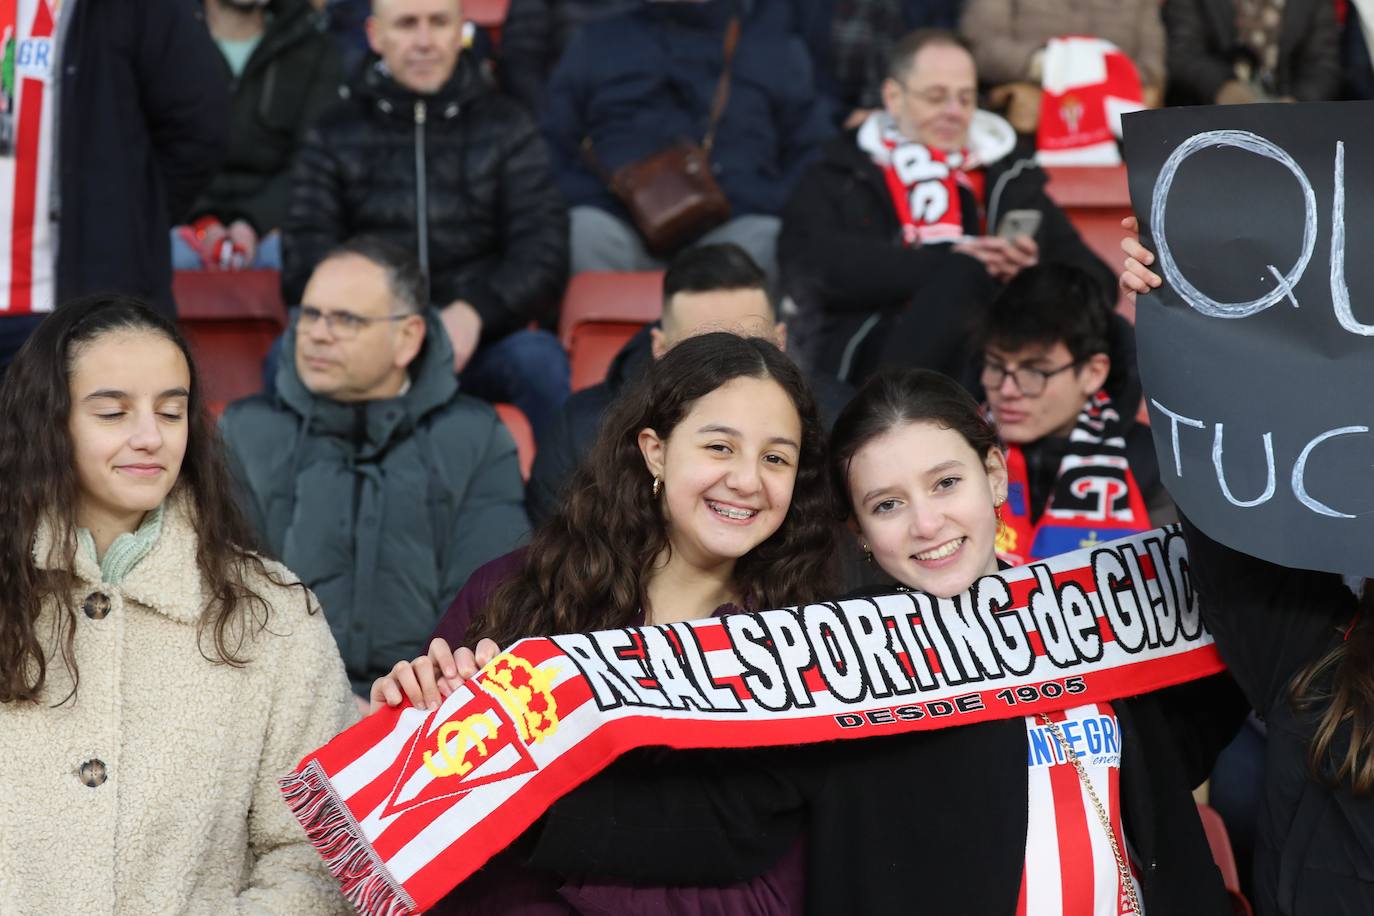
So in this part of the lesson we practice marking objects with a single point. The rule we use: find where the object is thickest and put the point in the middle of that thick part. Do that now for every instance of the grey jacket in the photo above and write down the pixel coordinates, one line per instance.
(383, 508)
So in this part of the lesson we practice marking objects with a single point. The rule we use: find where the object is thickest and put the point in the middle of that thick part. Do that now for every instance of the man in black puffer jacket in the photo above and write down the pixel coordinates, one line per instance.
(424, 153)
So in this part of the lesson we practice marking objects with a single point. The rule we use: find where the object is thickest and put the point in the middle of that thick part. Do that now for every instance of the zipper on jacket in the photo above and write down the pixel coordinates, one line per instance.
(421, 199)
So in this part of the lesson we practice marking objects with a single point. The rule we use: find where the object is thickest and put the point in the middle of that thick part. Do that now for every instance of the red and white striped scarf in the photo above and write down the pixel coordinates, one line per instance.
(408, 803)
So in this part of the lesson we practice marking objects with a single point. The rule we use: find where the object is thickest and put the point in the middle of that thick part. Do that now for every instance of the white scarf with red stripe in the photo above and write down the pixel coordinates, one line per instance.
(408, 803)
(923, 182)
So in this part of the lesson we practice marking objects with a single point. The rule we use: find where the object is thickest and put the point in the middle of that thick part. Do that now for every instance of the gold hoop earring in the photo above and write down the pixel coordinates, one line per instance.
(658, 485)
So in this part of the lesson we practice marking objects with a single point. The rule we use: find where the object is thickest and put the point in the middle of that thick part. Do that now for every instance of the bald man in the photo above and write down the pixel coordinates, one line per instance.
(425, 154)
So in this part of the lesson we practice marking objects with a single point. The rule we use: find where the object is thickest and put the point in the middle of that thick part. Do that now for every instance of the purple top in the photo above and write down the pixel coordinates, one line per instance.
(504, 886)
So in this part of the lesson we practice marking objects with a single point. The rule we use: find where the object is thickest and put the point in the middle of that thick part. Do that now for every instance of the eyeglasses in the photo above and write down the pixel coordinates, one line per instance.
(341, 323)
(1030, 382)
(939, 96)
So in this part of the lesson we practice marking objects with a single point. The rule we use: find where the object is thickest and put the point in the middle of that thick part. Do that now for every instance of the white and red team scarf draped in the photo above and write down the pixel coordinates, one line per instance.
(28, 57)
(1071, 869)
(923, 182)
(1095, 497)
(408, 803)
(1087, 85)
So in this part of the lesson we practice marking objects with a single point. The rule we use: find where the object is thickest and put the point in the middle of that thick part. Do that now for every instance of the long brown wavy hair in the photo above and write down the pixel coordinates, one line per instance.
(1341, 685)
(37, 465)
(587, 565)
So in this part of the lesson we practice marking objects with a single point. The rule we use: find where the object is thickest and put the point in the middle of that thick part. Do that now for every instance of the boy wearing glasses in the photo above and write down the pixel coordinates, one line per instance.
(914, 219)
(1058, 370)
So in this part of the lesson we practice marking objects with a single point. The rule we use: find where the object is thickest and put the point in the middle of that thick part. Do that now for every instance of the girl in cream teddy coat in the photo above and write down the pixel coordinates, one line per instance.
(156, 678)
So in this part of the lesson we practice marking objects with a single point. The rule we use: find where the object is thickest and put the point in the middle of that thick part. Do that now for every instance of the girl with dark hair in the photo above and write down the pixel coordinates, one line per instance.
(1301, 645)
(704, 495)
(156, 676)
(969, 819)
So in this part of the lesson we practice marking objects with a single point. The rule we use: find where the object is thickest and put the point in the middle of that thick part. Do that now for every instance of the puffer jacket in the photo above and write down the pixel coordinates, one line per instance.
(384, 508)
(495, 230)
(153, 790)
(292, 76)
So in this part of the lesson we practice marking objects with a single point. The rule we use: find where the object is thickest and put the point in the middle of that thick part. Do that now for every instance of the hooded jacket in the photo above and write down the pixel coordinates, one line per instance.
(292, 76)
(153, 789)
(383, 508)
(494, 231)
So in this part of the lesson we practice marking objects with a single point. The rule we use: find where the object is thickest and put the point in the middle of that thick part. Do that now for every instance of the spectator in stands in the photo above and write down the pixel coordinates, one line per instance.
(1057, 361)
(282, 70)
(157, 677)
(1008, 41)
(1228, 52)
(122, 113)
(366, 471)
(887, 264)
(636, 83)
(424, 153)
(706, 288)
(533, 38)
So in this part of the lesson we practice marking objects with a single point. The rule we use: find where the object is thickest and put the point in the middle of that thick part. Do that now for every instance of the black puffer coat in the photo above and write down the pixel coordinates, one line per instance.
(496, 233)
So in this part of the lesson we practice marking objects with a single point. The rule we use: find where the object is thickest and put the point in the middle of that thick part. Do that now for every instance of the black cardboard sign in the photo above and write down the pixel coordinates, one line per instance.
(1257, 354)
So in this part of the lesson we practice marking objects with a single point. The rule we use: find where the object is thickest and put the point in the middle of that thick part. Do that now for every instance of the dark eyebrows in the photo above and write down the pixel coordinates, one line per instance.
(731, 431)
(114, 394)
(944, 466)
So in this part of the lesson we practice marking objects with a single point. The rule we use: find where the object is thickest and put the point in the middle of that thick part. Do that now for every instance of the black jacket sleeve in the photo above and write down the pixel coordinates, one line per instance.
(183, 99)
(1268, 620)
(527, 282)
(527, 51)
(677, 817)
(846, 269)
(1316, 62)
(315, 220)
(266, 208)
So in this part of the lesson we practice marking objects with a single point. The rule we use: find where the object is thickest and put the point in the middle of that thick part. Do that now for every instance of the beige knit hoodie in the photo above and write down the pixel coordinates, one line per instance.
(154, 789)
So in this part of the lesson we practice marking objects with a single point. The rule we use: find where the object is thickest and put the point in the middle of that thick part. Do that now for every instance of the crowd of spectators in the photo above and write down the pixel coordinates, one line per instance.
(425, 190)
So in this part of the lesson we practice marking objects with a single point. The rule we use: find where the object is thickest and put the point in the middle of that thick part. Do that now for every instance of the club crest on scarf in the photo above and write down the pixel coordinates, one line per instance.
(483, 741)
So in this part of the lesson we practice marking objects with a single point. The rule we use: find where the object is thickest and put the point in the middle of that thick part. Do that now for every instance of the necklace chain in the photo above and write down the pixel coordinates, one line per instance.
(1122, 868)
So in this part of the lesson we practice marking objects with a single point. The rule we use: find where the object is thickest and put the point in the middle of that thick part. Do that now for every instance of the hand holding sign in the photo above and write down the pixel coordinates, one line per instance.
(1252, 350)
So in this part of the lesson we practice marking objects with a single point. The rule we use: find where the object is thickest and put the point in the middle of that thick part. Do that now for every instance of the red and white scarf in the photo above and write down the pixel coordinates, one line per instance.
(1095, 496)
(408, 803)
(924, 182)
(28, 49)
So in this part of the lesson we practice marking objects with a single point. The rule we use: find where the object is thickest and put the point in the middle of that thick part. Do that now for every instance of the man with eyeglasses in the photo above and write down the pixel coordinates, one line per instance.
(1058, 370)
(366, 471)
(915, 219)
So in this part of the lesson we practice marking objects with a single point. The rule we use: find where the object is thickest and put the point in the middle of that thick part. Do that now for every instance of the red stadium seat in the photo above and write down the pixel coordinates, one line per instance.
(601, 311)
(230, 319)
(486, 13)
(521, 432)
(1220, 841)
(1096, 199)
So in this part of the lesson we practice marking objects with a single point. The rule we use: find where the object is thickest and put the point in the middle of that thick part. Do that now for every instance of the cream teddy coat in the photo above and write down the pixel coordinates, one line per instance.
(154, 789)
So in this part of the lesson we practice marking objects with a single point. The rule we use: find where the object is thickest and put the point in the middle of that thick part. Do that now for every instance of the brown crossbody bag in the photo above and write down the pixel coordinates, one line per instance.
(671, 195)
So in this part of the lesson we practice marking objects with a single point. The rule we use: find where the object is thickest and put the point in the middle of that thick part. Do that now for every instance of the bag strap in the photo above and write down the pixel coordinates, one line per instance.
(722, 85)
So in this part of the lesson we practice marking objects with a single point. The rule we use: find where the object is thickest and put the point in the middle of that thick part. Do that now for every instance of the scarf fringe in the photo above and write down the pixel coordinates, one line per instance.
(335, 834)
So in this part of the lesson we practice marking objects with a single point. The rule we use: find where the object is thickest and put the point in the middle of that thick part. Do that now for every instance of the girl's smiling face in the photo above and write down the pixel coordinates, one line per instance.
(727, 470)
(925, 504)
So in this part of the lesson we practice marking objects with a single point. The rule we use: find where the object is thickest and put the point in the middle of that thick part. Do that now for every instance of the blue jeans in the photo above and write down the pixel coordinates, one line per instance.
(268, 256)
(528, 369)
(14, 330)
